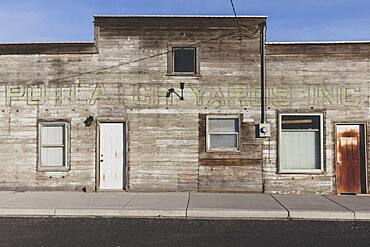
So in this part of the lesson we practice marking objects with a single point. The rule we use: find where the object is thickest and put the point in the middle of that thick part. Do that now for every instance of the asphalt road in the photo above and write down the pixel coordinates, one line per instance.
(171, 232)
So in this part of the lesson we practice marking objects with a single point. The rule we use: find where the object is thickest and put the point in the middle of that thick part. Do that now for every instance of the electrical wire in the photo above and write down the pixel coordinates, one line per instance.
(242, 32)
(232, 5)
(97, 71)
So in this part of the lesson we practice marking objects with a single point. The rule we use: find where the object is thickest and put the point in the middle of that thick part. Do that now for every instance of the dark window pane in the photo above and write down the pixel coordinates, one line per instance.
(300, 122)
(184, 59)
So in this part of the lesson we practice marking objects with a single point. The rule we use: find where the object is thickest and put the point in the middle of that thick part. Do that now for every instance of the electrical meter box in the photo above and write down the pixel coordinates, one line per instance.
(263, 130)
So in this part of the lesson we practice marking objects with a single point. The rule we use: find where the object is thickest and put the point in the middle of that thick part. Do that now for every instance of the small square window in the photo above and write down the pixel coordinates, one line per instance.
(53, 146)
(183, 61)
(222, 133)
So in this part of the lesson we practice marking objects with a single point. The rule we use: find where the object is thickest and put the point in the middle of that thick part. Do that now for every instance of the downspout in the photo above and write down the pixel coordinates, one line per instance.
(262, 28)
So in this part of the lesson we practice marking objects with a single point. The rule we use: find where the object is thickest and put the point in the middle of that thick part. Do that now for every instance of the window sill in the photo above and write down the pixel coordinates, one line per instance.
(52, 169)
(305, 172)
(184, 75)
(223, 151)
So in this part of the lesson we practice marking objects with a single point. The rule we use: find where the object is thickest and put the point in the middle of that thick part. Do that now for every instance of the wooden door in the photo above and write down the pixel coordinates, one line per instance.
(112, 156)
(348, 169)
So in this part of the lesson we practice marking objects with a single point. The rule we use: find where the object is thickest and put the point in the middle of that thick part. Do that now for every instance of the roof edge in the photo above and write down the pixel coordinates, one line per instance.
(318, 42)
(181, 16)
(48, 48)
(46, 42)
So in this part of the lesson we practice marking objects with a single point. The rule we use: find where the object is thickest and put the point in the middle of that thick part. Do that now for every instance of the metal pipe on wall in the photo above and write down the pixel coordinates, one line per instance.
(262, 27)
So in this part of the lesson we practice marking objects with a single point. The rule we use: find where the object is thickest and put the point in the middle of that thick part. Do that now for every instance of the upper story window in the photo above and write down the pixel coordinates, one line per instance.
(223, 133)
(301, 143)
(183, 61)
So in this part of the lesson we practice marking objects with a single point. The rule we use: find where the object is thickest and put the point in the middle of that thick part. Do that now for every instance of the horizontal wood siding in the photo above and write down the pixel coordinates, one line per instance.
(315, 78)
(231, 171)
(163, 152)
(126, 80)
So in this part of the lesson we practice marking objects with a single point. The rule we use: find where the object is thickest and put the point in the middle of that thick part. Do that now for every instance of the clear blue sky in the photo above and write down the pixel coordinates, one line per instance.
(289, 20)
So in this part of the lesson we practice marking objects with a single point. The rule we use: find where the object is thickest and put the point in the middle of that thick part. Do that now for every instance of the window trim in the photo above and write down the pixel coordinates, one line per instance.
(302, 171)
(171, 60)
(208, 134)
(66, 126)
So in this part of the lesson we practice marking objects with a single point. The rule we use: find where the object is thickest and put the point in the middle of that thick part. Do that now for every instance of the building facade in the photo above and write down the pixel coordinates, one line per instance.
(173, 104)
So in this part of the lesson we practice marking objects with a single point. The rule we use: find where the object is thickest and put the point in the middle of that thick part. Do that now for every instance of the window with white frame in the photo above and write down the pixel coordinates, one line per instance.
(223, 133)
(53, 146)
(301, 143)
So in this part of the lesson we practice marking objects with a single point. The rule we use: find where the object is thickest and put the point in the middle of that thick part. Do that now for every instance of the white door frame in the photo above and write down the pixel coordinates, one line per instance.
(97, 158)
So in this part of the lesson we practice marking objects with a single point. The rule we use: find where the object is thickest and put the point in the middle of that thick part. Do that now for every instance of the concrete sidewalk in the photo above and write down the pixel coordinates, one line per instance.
(185, 205)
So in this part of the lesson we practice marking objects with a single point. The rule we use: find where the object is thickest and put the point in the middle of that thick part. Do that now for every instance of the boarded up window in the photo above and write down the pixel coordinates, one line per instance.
(53, 145)
(222, 133)
(300, 143)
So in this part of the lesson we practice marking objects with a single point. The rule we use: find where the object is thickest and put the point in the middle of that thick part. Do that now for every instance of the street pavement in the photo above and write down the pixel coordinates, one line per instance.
(100, 231)
(185, 205)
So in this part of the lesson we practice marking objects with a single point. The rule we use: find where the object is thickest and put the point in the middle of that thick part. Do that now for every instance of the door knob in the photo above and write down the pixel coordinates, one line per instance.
(101, 160)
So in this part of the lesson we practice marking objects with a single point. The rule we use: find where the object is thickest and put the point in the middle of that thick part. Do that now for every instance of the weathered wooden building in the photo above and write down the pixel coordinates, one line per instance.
(112, 114)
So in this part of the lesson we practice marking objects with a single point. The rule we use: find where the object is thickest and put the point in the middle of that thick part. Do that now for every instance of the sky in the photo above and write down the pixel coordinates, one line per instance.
(288, 20)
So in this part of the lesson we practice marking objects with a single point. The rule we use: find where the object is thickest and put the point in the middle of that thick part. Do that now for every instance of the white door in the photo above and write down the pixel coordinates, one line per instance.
(112, 156)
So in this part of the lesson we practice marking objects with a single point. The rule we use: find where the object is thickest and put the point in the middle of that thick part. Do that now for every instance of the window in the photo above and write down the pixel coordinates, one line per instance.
(301, 143)
(223, 133)
(183, 61)
(53, 146)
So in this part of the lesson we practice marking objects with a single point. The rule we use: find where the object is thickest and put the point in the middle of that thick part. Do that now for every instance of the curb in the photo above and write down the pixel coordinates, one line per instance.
(203, 213)
(364, 215)
(26, 212)
(189, 214)
(321, 215)
(106, 212)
